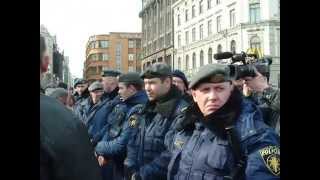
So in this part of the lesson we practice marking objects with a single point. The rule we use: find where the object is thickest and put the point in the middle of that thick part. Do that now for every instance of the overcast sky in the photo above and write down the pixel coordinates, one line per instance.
(73, 21)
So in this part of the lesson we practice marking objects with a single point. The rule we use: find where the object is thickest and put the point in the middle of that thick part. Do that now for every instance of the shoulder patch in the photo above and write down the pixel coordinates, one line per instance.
(178, 143)
(271, 158)
(133, 121)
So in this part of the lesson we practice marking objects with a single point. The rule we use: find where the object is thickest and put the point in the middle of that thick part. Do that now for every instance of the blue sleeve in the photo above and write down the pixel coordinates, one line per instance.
(116, 146)
(263, 161)
(131, 161)
(159, 166)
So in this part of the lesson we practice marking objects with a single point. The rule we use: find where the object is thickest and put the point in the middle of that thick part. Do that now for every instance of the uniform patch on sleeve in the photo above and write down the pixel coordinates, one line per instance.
(178, 143)
(133, 121)
(271, 158)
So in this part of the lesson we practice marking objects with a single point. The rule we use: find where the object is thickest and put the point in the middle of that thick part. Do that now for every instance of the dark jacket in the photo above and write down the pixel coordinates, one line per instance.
(202, 150)
(269, 103)
(65, 149)
(146, 150)
(80, 104)
(97, 120)
(114, 143)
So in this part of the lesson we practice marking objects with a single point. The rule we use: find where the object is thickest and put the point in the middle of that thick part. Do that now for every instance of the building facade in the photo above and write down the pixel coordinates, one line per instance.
(205, 27)
(116, 51)
(157, 32)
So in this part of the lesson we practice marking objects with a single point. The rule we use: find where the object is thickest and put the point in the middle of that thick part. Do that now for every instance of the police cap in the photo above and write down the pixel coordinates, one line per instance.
(95, 86)
(131, 78)
(214, 73)
(79, 81)
(156, 70)
(111, 73)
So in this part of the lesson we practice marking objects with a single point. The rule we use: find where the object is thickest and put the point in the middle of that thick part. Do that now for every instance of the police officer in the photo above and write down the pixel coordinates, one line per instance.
(110, 84)
(65, 149)
(145, 158)
(266, 96)
(226, 138)
(81, 96)
(97, 120)
(179, 79)
(81, 90)
(112, 148)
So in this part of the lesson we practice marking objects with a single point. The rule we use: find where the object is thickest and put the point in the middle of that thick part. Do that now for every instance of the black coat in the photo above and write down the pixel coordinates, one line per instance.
(65, 149)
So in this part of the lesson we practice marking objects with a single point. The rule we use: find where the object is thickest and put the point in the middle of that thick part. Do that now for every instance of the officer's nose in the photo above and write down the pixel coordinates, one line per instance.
(212, 95)
(147, 87)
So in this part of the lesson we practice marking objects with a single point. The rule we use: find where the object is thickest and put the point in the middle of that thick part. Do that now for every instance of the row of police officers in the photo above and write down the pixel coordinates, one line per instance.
(143, 127)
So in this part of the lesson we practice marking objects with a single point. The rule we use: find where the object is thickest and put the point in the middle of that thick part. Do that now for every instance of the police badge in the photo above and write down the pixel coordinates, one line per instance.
(271, 158)
(133, 121)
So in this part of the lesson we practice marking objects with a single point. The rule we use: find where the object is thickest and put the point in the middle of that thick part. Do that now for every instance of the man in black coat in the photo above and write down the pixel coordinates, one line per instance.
(65, 149)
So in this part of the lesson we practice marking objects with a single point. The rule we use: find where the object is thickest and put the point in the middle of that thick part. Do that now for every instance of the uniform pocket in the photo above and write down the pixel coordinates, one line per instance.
(217, 157)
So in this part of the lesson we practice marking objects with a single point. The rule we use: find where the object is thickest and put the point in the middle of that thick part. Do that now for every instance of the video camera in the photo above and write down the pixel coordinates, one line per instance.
(249, 63)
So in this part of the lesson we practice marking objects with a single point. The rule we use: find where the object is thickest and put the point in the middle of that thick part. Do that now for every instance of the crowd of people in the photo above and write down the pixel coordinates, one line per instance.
(159, 125)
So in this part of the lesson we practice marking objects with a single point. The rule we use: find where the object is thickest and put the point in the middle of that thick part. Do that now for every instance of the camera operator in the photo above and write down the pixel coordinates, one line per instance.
(266, 96)
(255, 74)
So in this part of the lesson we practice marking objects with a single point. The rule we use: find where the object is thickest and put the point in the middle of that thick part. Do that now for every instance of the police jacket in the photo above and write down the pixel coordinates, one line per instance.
(269, 103)
(115, 139)
(97, 119)
(146, 154)
(80, 103)
(202, 150)
(65, 149)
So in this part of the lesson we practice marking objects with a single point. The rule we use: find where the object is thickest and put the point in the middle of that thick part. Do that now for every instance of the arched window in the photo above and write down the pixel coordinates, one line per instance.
(187, 62)
(210, 56)
(219, 48)
(233, 46)
(255, 42)
(194, 65)
(179, 63)
(201, 58)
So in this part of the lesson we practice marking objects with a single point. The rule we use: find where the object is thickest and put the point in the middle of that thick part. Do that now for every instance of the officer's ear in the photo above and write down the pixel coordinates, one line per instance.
(194, 96)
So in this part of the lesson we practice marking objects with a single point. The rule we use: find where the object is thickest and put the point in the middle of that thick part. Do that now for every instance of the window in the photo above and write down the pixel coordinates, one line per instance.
(255, 42)
(194, 65)
(232, 18)
(179, 20)
(193, 11)
(131, 44)
(254, 12)
(187, 62)
(193, 34)
(201, 58)
(103, 44)
(200, 6)
(218, 2)
(201, 31)
(209, 27)
(187, 37)
(179, 40)
(233, 46)
(105, 57)
(186, 14)
(210, 56)
(209, 4)
(131, 57)
(179, 63)
(218, 23)
(219, 49)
